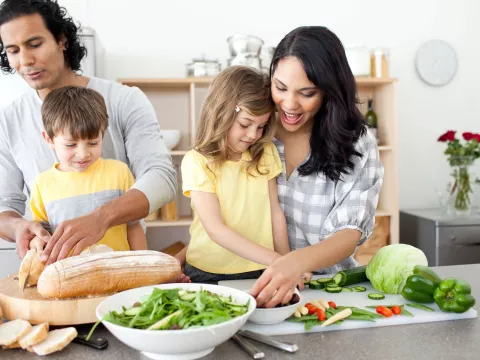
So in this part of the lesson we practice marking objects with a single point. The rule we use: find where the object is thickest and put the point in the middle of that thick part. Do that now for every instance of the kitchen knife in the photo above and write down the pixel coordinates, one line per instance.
(267, 340)
(248, 347)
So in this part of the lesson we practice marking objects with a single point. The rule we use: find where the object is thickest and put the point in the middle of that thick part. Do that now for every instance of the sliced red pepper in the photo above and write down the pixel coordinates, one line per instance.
(321, 315)
(332, 304)
(396, 310)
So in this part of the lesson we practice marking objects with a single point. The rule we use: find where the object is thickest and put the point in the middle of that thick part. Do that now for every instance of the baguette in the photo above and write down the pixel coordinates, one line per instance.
(106, 273)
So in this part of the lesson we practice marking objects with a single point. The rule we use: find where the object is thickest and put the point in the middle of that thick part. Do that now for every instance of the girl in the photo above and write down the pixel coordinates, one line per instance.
(238, 227)
(332, 172)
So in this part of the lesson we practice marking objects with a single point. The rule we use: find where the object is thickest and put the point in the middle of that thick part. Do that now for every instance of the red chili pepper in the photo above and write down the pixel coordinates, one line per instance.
(382, 310)
(332, 304)
(321, 315)
(396, 310)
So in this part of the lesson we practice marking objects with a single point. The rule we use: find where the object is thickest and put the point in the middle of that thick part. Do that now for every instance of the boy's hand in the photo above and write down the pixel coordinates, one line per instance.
(74, 234)
(184, 278)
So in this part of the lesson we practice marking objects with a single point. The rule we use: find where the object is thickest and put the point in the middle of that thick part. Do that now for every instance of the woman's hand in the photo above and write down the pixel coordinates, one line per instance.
(278, 282)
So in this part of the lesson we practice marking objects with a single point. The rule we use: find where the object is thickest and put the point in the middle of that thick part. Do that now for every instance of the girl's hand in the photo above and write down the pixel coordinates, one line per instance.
(184, 278)
(277, 283)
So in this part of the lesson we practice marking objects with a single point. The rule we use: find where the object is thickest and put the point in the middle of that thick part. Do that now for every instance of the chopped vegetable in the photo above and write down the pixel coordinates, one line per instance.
(351, 276)
(332, 304)
(321, 315)
(376, 296)
(324, 303)
(396, 310)
(338, 316)
(382, 310)
(359, 288)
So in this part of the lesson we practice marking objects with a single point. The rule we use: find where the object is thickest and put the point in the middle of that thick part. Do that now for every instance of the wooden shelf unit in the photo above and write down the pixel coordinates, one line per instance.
(178, 102)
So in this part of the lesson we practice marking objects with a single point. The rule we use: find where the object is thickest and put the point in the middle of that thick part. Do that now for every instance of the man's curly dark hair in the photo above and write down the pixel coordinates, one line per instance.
(57, 21)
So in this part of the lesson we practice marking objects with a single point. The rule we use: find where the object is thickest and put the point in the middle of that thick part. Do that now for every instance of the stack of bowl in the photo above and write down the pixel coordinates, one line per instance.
(245, 50)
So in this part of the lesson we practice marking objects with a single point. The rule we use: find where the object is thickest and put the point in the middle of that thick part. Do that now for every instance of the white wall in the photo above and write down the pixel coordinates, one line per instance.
(148, 38)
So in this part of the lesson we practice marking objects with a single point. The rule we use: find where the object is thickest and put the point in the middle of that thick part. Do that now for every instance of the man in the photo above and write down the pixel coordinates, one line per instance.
(40, 42)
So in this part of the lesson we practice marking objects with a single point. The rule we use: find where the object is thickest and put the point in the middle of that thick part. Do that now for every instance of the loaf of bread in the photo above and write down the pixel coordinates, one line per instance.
(106, 273)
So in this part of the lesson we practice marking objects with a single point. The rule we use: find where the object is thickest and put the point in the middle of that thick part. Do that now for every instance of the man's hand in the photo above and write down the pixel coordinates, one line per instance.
(26, 231)
(76, 234)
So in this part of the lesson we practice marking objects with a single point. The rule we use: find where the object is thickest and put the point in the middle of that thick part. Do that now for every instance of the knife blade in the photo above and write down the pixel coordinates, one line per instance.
(267, 340)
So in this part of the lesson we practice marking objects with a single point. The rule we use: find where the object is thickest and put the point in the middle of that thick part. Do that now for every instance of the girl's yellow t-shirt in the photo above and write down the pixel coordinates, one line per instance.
(244, 204)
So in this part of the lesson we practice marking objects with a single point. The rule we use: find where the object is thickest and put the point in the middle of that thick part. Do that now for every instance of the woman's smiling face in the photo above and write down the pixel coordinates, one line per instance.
(296, 97)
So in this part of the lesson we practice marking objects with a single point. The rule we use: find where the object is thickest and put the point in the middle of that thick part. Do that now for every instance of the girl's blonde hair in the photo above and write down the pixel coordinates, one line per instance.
(235, 86)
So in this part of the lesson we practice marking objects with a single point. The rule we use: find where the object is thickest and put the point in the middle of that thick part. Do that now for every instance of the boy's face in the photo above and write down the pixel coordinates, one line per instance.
(33, 51)
(74, 155)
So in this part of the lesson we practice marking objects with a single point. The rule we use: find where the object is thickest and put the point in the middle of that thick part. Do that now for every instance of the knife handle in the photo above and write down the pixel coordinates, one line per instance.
(99, 343)
(248, 347)
(267, 340)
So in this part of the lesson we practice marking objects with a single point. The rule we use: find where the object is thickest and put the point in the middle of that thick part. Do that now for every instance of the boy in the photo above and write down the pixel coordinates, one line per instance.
(75, 120)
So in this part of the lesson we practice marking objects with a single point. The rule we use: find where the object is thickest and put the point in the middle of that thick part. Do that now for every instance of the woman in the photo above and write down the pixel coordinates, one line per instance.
(332, 171)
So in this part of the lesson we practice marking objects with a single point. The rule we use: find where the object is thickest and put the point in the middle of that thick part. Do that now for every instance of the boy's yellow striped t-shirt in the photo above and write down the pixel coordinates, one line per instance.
(244, 204)
(58, 196)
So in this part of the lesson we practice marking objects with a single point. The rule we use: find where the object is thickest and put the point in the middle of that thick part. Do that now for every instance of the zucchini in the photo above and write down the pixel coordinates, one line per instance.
(332, 289)
(351, 276)
(359, 288)
(376, 296)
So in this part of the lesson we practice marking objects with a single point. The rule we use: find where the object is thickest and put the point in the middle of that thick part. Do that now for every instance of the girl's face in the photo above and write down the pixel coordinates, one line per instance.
(245, 131)
(296, 97)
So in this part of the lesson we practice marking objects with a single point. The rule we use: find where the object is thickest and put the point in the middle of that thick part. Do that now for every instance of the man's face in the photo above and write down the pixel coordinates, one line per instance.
(33, 51)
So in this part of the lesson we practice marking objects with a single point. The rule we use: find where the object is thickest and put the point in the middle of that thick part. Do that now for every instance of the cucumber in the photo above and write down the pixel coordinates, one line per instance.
(325, 281)
(315, 285)
(376, 296)
(359, 289)
(351, 276)
(332, 289)
(346, 289)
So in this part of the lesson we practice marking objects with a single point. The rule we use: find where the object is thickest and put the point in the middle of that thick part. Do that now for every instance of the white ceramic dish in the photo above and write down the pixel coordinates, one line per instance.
(175, 344)
(171, 138)
(274, 315)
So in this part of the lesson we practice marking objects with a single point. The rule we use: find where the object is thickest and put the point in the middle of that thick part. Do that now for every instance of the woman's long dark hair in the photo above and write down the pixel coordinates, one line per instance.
(338, 124)
(56, 20)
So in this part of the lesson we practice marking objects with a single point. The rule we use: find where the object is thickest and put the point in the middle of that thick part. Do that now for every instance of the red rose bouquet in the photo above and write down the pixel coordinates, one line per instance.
(460, 156)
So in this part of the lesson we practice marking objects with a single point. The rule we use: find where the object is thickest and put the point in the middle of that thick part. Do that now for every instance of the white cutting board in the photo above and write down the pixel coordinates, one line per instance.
(357, 299)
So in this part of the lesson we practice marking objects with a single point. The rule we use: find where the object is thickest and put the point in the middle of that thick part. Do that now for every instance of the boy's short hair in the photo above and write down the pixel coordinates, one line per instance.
(79, 110)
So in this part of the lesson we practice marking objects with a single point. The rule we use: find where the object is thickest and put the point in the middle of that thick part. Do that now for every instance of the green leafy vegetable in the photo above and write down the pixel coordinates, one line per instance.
(390, 267)
(175, 309)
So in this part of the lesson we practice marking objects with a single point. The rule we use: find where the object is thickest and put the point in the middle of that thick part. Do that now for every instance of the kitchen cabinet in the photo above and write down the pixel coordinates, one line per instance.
(178, 102)
(445, 240)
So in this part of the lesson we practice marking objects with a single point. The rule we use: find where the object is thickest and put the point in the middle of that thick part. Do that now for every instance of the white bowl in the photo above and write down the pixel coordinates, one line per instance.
(275, 315)
(175, 344)
(171, 138)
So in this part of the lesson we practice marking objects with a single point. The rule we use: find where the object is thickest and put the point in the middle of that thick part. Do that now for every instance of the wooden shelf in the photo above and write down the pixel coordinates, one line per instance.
(384, 148)
(183, 221)
(380, 212)
(184, 83)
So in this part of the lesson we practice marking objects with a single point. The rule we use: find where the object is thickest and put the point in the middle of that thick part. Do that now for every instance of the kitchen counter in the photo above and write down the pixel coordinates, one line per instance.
(457, 339)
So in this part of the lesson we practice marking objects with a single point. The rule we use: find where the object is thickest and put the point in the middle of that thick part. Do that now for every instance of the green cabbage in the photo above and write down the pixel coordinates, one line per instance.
(390, 267)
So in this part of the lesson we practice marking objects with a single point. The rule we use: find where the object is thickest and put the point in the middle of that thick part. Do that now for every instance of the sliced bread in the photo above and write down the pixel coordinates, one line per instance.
(55, 341)
(12, 331)
(37, 334)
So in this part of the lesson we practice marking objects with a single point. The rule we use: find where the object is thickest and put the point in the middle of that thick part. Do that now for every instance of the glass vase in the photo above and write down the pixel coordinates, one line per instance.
(460, 185)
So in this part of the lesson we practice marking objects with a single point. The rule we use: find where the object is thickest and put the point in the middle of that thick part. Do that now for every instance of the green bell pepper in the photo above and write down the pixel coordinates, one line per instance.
(421, 285)
(454, 295)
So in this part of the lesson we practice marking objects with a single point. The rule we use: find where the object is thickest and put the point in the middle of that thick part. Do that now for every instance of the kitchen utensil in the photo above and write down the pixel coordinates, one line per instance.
(274, 315)
(203, 67)
(248, 347)
(171, 138)
(190, 343)
(99, 343)
(358, 57)
(244, 44)
(246, 60)
(357, 299)
(267, 340)
(31, 306)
